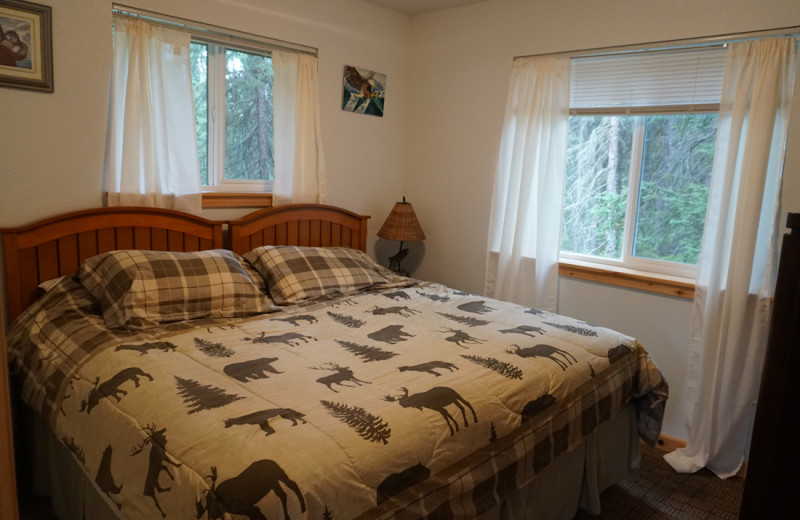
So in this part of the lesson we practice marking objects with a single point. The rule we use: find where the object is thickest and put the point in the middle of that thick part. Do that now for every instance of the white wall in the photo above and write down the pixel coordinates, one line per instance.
(52, 146)
(460, 68)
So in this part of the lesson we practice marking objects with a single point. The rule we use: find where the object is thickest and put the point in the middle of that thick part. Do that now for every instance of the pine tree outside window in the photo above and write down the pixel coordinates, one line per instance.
(234, 117)
(642, 132)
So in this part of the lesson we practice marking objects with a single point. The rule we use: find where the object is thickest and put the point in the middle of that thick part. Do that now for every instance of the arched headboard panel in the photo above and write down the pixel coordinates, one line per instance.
(56, 246)
(299, 224)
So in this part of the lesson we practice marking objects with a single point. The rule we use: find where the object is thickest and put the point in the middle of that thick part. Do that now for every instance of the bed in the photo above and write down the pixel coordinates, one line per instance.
(275, 371)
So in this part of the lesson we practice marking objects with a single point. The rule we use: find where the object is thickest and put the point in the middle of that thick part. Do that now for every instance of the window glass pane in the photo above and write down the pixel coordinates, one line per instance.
(673, 186)
(199, 58)
(596, 190)
(248, 117)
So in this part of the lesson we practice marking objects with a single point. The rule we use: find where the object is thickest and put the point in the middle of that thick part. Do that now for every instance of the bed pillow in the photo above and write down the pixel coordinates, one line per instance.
(296, 273)
(47, 285)
(140, 289)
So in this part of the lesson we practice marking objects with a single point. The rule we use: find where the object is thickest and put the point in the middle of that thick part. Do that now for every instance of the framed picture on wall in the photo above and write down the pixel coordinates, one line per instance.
(26, 46)
(364, 91)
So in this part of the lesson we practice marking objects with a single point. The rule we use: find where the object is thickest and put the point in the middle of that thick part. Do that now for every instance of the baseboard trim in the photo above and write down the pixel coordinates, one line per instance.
(667, 443)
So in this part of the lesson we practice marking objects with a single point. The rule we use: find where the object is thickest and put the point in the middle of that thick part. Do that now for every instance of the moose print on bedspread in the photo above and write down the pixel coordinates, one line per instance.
(340, 376)
(461, 338)
(240, 495)
(436, 399)
(159, 458)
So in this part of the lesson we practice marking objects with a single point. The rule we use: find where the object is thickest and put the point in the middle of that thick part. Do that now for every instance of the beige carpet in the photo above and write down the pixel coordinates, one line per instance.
(657, 492)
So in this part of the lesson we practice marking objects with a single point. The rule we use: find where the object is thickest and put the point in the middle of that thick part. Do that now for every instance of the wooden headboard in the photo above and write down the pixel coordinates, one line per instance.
(56, 246)
(300, 225)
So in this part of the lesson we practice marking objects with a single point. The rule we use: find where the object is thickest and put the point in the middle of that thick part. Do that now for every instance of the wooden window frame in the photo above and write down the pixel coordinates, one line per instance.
(218, 199)
(628, 278)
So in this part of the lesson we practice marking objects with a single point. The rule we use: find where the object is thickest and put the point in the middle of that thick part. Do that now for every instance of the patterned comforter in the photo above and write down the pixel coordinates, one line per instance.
(386, 404)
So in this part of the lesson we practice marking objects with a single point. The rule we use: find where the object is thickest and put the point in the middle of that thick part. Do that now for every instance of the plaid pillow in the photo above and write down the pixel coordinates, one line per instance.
(297, 273)
(140, 289)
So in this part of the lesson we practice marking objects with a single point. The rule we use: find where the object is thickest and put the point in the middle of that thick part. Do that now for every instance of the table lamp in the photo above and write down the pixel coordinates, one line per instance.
(402, 225)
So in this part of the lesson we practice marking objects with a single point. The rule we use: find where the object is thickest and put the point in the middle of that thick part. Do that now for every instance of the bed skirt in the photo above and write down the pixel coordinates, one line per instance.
(575, 480)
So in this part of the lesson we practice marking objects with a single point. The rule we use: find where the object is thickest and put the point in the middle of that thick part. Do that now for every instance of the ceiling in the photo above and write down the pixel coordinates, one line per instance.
(421, 6)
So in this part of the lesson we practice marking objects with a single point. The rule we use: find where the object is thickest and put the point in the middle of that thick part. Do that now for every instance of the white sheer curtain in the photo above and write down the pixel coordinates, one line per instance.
(152, 154)
(525, 229)
(738, 263)
(299, 160)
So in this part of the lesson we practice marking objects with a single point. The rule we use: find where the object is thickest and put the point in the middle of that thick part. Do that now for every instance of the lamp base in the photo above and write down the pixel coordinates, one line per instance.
(394, 261)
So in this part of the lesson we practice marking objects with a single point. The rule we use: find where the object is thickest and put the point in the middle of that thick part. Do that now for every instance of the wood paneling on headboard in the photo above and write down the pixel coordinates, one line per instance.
(299, 224)
(56, 246)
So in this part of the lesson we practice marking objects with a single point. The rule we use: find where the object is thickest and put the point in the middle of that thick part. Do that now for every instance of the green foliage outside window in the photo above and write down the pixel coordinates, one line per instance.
(677, 152)
(198, 54)
(596, 190)
(248, 113)
(248, 117)
(676, 172)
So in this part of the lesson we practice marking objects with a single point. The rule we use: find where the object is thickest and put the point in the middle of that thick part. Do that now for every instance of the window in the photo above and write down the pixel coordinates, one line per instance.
(233, 113)
(228, 98)
(641, 142)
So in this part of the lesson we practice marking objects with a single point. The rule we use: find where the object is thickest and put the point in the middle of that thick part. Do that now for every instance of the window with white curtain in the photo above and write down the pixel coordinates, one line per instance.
(642, 131)
(233, 87)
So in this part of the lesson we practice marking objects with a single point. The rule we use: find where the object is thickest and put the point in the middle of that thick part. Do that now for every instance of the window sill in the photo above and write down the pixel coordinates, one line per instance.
(629, 278)
(214, 199)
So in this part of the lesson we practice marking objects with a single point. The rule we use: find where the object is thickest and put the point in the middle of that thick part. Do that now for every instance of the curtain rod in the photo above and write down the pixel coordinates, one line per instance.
(719, 39)
(211, 32)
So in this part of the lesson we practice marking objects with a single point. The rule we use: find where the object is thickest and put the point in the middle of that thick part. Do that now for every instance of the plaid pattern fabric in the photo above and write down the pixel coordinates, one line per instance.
(254, 275)
(650, 396)
(53, 337)
(298, 273)
(139, 289)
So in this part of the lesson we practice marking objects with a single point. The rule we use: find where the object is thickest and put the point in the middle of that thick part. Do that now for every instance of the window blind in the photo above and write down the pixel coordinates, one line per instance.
(642, 79)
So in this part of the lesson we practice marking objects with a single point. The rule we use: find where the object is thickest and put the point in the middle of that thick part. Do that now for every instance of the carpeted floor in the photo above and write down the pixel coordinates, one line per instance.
(657, 492)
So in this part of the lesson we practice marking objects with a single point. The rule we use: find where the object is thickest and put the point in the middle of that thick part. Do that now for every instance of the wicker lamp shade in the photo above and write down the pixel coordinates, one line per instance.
(402, 224)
